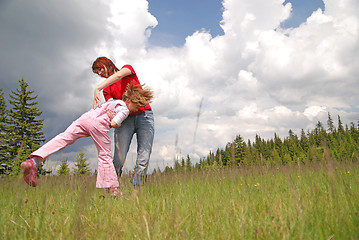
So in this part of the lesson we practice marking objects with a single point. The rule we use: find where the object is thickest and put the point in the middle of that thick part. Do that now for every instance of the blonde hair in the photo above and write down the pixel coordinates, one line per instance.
(138, 95)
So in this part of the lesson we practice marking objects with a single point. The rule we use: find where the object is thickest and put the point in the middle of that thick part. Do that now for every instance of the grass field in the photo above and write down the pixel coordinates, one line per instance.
(298, 202)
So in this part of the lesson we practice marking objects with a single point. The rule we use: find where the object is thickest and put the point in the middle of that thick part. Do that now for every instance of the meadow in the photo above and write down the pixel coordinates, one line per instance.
(317, 201)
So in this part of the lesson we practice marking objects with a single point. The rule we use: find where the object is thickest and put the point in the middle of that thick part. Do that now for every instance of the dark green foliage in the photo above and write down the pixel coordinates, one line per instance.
(42, 171)
(339, 144)
(81, 166)
(3, 115)
(330, 123)
(5, 164)
(177, 166)
(239, 150)
(188, 165)
(23, 131)
(64, 168)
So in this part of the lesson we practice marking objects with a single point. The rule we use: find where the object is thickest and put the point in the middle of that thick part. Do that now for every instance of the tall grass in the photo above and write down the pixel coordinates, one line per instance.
(302, 202)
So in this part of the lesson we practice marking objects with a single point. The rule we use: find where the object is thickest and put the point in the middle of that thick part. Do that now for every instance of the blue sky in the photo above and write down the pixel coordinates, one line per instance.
(258, 66)
(302, 9)
(179, 19)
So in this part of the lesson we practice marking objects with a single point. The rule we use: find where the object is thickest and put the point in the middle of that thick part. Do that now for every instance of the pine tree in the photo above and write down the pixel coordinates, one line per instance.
(319, 133)
(41, 170)
(3, 114)
(25, 130)
(168, 170)
(340, 125)
(239, 149)
(330, 123)
(275, 158)
(188, 163)
(4, 156)
(64, 168)
(183, 164)
(81, 166)
(177, 166)
(227, 155)
(278, 144)
(340, 130)
(304, 141)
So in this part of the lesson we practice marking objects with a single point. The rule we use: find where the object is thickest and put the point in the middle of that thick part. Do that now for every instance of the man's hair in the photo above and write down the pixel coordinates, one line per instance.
(138, 95)
(104, 61)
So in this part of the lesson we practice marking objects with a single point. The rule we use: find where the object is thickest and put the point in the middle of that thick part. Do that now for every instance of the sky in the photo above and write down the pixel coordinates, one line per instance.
(218, 68)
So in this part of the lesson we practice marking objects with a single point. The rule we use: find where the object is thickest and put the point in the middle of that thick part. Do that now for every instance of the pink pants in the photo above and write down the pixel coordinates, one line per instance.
(88, 125)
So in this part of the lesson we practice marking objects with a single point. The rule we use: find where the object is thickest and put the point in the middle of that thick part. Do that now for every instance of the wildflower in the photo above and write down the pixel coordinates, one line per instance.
(26, 200)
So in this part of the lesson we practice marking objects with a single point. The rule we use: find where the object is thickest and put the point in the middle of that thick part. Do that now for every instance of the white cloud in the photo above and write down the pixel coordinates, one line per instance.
(313, 111)
(128, 27)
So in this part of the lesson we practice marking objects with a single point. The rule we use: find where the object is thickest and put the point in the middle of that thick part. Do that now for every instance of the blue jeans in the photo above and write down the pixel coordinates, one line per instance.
(143, 125)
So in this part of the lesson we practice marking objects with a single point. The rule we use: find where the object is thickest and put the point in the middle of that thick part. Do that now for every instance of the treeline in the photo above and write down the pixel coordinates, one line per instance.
(339, 143)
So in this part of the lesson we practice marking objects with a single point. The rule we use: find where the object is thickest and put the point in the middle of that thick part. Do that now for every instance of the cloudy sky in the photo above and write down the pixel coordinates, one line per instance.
(218, 68)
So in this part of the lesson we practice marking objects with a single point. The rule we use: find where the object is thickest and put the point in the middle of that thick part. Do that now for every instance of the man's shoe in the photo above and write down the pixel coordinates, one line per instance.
(29, 172)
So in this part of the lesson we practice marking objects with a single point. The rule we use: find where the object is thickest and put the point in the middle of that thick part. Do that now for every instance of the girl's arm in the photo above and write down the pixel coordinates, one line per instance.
(114, 124)
(109, 81)
(117, 119)
(111, 115)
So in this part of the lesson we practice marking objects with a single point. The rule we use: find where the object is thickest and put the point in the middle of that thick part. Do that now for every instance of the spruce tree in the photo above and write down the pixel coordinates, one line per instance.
(41, 170)
(304, 141)
(340, 125)
(25, 129)
(278, 144)
(239, 149)
(177, 166)
(330, 123)
(188, 163)
(227, 155)
(183, 164)
(340, 130)
(64, 168)
(81, 166)
(3, 115)
(4, 156)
